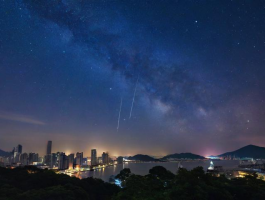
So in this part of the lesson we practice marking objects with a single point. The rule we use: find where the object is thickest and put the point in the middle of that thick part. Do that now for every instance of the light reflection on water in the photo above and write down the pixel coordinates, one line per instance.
(143, 168)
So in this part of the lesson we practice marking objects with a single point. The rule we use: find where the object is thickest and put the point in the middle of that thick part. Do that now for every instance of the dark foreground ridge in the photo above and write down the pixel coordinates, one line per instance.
(30, 183)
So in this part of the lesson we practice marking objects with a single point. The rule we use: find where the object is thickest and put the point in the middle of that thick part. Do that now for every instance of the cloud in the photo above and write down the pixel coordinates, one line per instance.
(164, 108)
(20, 118)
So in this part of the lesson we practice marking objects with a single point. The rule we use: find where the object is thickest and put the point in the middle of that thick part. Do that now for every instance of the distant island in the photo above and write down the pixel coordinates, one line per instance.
(146, 158)
(190, 156)
(140, 157)
(250, 151)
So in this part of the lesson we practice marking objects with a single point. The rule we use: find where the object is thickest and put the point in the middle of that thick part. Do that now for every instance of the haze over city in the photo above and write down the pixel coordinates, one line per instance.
(132, 77)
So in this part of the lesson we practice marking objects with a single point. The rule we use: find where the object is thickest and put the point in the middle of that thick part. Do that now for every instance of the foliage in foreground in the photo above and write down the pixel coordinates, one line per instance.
(30, 183)
(161, 184)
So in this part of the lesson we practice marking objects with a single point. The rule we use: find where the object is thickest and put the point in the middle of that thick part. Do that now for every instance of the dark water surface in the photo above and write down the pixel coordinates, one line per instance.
(143, 168)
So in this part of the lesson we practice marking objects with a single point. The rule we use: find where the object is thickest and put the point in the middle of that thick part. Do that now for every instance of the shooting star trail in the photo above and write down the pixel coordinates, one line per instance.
(133, 98)
(118, 126)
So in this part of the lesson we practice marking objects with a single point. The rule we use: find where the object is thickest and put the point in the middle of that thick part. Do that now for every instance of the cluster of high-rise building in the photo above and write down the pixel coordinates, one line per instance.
(17, 157)
(57, 160)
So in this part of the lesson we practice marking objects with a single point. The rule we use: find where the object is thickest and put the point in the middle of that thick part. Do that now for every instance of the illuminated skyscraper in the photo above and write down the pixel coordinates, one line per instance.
(105, 158)
(61, 160)
(93, 157)
(48, 157)
(49, 148)
(33, 157)
(55, 157)
(66, 162)
(17, 151)
(79, 159)
(71, 161)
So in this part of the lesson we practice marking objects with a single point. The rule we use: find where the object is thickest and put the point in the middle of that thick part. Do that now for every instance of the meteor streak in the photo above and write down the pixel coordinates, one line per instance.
(133, 98)
(118, 126)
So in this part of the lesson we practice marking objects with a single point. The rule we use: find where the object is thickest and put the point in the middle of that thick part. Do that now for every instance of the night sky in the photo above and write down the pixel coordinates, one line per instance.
(69, 70)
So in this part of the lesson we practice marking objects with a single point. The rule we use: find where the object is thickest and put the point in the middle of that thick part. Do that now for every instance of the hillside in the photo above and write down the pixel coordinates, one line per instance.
(141, 157)
(4, 153)
(251, 151)
(183, 156)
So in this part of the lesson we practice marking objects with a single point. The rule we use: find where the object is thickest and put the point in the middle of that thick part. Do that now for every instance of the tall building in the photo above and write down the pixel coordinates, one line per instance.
(48, 160)
(71, 160)
(16, 157)
(99, 160)
(19, 149)
(79, 159)
(61, 159)
(24, 159)
(55, 157)
(66, 162)
(49, 148)
(48, 157)
(93, 156)
(33, 157)
(105, 158)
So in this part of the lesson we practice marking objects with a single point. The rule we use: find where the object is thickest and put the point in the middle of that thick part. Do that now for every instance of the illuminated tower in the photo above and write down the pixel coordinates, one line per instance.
(79, 159)
(71, 161)
(61, 160)
(93, 156)
(17, 151)
(105, 158)
(49, 148)
(48, 157)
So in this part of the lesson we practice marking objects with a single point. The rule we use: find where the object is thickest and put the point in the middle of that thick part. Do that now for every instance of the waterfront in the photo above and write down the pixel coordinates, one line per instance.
(143, 168)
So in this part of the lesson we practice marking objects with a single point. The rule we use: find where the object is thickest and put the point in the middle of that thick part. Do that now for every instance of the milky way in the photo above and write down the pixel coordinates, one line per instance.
(198, 66)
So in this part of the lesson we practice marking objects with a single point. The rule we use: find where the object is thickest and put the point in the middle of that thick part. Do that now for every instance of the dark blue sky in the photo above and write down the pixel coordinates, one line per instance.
(65, 66)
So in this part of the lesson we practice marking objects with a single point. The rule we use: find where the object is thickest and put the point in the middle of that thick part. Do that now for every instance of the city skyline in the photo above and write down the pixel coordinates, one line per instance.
(93, 155)
(55, 160)
(130, 77)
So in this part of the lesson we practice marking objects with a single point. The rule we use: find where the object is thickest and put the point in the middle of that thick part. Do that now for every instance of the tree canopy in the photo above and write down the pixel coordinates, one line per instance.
(31, 183)
(161, 184)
